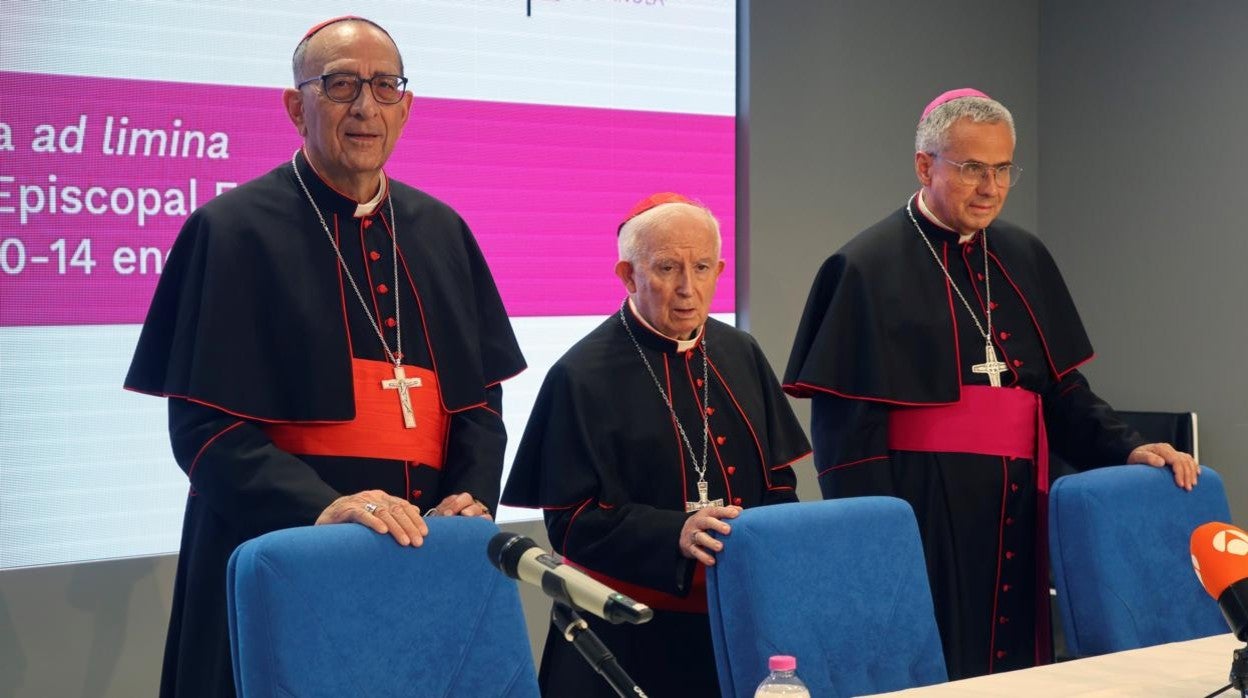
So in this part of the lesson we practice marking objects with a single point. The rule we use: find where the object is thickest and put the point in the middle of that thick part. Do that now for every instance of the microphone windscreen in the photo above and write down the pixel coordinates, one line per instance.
(1219, 556)
(505, 550)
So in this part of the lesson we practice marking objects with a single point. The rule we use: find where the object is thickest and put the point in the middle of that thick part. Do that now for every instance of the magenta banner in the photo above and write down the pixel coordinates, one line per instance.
(97, 175)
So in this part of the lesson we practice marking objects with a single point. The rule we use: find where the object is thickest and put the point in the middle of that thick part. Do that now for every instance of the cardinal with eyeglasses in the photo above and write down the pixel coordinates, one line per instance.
(941, 351)
(331, 343)
(649, 435)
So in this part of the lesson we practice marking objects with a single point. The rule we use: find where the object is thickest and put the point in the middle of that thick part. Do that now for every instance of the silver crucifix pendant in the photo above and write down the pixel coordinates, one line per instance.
(991, 366)
(703, 502)
(402, 383)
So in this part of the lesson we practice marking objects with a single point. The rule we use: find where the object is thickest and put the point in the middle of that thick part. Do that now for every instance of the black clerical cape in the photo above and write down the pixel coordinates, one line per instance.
(883, 331)
(604, 459)
(254, 331)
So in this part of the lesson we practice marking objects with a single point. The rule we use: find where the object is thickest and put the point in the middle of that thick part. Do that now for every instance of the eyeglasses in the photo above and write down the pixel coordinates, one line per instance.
(974, 173)
(345, 87)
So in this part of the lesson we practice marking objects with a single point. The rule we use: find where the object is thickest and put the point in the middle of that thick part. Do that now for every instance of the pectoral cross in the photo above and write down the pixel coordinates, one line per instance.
(401, 383)
(702, 502)
(991, 366)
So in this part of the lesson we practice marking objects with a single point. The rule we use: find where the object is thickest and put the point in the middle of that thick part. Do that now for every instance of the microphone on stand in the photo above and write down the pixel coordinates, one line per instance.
(1220, 559)
(520, 558)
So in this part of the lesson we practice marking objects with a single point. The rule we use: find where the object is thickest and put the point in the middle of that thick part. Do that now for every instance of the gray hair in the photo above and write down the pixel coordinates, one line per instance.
(932, 135)
(301, 51)
(636, 229)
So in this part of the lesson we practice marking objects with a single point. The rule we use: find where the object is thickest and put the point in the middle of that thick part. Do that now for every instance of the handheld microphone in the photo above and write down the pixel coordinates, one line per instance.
(520, 558)
(1220, 558)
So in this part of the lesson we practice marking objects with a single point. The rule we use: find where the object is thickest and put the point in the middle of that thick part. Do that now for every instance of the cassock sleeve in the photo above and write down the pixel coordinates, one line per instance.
(474, 450)
(847, 434)
(564, 468)
(1083, 428)
(240, 474)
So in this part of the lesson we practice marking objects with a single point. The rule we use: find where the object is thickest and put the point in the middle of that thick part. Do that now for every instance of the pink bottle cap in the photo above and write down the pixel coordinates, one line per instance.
(782, 662)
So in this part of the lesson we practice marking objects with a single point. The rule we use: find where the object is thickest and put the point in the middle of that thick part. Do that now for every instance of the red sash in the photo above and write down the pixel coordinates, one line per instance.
(377, 430)
(693, 602)
(994, 422)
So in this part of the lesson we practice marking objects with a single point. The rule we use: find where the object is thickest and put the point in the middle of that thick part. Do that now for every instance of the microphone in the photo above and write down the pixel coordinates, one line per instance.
(520, 558)
(1220, 558)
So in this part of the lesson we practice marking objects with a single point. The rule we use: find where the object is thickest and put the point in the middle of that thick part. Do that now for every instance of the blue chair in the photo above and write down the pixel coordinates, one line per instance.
(342, 611)
(1118, 540)
(839, 584)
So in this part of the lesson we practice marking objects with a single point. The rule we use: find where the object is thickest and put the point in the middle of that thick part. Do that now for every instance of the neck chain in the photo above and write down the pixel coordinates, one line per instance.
(991, 366)
(395, 356)
(699, 467)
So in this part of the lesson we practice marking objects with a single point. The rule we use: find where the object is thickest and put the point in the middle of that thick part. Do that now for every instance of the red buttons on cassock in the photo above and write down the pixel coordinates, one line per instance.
(416, 494)
(732, 469)
(1003, 620)
(1017, 363)
(1009, 554)
(720, 440)
(383, 289)
(992, 305)
(1005, 587)
(737, 501)
(979, 275)
(710, 411)
(391, 322)
(1013, 486)
(1009, 521)
(1000, 654)
(1004, 335)
(374, 255)
(698, 382)
(368, 222)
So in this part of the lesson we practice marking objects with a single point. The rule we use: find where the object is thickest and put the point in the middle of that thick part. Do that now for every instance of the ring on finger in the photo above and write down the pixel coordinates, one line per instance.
(371, 507)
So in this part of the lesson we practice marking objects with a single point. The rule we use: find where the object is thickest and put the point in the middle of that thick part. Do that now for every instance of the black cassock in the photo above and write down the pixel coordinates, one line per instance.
(253, 326)
(883, 331)
(602, 456)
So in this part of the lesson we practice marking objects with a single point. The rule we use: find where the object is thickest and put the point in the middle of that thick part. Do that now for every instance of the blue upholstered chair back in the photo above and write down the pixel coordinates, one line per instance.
(839, 584)
(342, 611)
(1118, 539)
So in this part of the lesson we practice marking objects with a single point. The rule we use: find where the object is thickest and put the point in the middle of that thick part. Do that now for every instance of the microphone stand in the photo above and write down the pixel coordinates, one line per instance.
(1239, 671)
(575, 630)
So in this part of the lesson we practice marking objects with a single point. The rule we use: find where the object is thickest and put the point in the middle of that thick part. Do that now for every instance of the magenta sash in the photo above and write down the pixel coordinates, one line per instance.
(1006, 422)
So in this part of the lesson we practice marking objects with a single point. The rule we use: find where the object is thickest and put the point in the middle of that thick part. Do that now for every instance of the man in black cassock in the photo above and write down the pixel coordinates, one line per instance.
(659, 425)
(938, 347)
(332, 344)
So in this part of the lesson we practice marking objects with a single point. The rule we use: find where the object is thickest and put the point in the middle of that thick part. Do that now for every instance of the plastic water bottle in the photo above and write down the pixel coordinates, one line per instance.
(783, 679)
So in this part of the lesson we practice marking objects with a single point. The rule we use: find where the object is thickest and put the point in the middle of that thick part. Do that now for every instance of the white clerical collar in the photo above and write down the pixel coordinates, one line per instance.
(366, 209)
(932, 217)
(681, 344)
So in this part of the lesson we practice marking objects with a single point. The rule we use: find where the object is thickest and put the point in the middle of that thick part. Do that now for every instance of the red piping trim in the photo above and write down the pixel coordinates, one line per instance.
(684, 483)
(505, 378)
(372, 291)
(791, 462)
(191, 470)
(953, 323)
(996, 586)
(342, 297)
(851, 463)
(1048, 356)
(710, 437)
(241, 415)
(758, 446)
(800, 389)
(568, 531)
(1014, 377)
